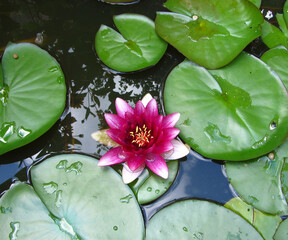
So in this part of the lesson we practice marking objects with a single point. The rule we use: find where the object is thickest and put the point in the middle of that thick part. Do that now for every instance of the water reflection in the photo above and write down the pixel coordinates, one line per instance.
(67, 32)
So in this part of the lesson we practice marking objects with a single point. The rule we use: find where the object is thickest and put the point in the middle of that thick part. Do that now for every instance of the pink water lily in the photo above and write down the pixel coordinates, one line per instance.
(144, 138)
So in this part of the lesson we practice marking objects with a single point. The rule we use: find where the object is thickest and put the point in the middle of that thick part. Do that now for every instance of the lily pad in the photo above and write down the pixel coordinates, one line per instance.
(137, 47)
(265, 224)
(282, 231)
(32, 94)
(150, 186)
(196, 219)
(263, 182)
(277, 59)
(72, 202)
(24, 216)
(285, 12)
(257, 3)
(209, 33)
(272, 36)
(238, 112)
(92, 199)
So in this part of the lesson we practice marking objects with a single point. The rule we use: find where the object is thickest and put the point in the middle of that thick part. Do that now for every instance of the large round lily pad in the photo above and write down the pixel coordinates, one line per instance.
(263, 182)
(209, 33)
(238, 112)
(24, 216)
(196, 219)
(277, 59)
(32, 94)
(81, 199)
(92, 199)
(137, 47)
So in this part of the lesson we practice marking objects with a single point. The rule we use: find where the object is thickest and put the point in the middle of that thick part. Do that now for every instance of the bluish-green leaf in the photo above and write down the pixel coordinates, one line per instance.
(259, 182)
(196, 219)
(265, 224)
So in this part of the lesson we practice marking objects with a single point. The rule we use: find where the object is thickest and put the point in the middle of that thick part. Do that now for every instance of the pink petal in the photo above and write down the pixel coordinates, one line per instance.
(170, 133)
(146, 99)
(135, 162)
(114, 121)
(161, 147)
(157, 164)
(179, 151)
(128, 176)
(152, 109)
(111, 157)
(139, 108)
(170, 120)
(122, 107)
(116, 136)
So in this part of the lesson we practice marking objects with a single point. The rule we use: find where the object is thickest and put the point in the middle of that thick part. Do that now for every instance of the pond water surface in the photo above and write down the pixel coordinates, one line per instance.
(66, 29)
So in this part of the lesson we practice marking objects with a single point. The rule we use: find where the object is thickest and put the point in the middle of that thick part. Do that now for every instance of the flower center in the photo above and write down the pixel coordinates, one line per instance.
(141, 136)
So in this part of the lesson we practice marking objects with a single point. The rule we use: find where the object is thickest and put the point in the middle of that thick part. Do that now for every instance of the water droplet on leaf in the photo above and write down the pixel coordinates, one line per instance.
(62, 164)
(58, 199)
(75, 167)
(126, 199)
(22, 132)
(6, 131)
(50, 187)
(15, 226)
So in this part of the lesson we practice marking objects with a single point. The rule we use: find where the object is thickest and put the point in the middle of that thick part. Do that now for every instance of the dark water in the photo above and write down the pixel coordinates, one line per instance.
(67, 29)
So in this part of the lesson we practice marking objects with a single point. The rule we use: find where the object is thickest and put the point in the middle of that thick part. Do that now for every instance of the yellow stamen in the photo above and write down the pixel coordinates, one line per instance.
(141, 137)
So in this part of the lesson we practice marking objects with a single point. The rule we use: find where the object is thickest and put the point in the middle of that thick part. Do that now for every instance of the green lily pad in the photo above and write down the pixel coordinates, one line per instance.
(209, 33)
(238, 112)
(259, 181)
(32, 94)
(277, 59)
(78, 198)
(272, 36)
(257, 3)
(282, 231)
(196, 219)
(265, 224)
(24, 216)
(92, 199)
(137, 47)
(285, 12)
(150, 186)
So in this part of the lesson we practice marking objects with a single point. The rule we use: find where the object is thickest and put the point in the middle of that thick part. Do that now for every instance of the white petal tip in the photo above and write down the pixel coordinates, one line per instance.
(146, 99)
(128, 176)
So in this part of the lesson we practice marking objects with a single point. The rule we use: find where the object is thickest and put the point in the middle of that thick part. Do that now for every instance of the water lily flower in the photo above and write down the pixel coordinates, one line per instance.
(144, 138)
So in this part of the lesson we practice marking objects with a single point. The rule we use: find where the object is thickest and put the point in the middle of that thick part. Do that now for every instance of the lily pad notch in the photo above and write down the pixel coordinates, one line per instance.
(136, 47)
